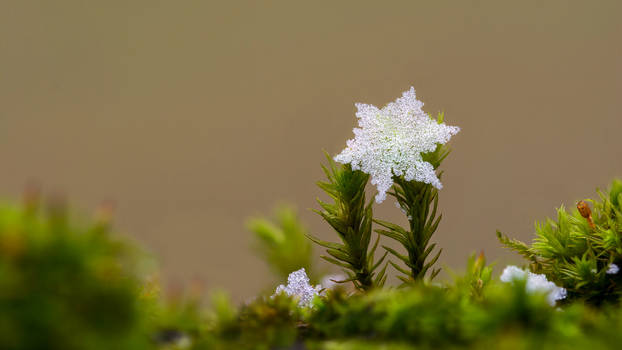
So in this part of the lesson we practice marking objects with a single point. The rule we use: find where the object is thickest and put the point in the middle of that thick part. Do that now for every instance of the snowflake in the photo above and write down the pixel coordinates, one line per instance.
(389, 142)
(613, 269)
(298, 286)
(535, 283)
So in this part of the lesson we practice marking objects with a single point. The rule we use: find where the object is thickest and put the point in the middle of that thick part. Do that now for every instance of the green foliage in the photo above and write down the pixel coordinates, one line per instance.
(419, 317)
(351, 217)
(65, 286)
(282, 242)
(177, 321)
(478, 275)
(419, 201)
(265, 323)
(69, 286)
(419, 314)
(576, 250)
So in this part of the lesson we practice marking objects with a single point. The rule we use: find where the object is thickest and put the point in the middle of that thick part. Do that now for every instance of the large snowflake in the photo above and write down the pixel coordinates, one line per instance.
(389, 142)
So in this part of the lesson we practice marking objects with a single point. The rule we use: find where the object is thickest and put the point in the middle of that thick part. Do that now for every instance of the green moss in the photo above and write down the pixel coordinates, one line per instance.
(351, 217)
(64, 286)
(282, 242)
(576, 250)
(69, 286)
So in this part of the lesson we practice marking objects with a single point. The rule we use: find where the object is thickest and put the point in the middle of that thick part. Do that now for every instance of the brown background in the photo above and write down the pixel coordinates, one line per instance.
(193, 115)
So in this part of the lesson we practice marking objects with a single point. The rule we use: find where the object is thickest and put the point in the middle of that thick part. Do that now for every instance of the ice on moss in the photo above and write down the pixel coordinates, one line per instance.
(298, 286)
(535, 283)
(389, 142)
(613, 269)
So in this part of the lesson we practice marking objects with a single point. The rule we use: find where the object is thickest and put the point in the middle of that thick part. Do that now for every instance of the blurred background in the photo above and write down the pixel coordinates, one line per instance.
(194, 115)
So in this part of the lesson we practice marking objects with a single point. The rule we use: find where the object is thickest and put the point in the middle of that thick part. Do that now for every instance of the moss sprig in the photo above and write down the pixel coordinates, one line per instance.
(419, 201)
(351, 216)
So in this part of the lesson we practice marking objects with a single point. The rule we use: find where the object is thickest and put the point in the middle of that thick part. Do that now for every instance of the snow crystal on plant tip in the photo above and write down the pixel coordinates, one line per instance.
(535, 283)
(298, 286)
(390, 141)
(613, 269)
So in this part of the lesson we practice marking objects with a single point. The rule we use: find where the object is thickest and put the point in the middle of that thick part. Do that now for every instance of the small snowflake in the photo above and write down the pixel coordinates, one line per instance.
(389, 142)
(613, 269)
(298, 286)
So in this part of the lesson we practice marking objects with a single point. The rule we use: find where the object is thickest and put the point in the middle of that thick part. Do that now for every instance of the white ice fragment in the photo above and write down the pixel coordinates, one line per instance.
(613, 269)
(535, 283)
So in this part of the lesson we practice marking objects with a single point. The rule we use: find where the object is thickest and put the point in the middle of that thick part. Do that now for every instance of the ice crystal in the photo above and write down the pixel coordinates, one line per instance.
(613, 269)
(535, 283)
(389, 142)
(298, 286)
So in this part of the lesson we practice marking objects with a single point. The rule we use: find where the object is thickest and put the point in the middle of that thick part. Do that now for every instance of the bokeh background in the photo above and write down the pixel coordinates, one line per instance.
(194, 115)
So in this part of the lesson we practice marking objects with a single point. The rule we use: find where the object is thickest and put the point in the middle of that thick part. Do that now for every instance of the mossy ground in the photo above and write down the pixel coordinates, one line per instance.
(65, 285)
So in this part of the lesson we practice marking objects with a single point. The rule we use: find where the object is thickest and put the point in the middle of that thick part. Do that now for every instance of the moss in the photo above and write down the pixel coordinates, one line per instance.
(577, 249)
(65, 286)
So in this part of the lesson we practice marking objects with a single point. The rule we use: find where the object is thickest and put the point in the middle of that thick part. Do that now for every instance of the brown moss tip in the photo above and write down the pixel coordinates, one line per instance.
(586, 212)
(480, 262)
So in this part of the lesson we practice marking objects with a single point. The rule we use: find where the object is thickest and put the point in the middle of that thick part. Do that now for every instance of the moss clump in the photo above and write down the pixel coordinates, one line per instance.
(582, 249)
(418, 317)
(64, 286)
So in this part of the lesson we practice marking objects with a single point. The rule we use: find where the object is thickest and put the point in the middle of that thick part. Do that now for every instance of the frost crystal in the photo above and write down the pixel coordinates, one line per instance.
(613, 269)
(390, 141)
(298, 286)
(535, 283)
